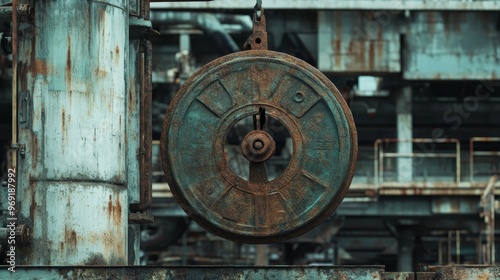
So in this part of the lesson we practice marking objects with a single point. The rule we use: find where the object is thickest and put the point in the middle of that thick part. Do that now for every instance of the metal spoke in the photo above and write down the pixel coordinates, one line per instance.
(258, 172)
(262, 118)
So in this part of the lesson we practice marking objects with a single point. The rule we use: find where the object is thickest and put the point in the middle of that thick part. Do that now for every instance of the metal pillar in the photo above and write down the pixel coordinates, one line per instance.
(261, 256)
(405, 250)
(72, 187)
(405, 133)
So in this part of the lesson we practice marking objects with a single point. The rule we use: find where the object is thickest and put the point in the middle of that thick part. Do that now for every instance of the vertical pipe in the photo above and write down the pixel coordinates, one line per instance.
(261, 257)
(184, 248)
(375, 164)
(73, 178)
(14, 82)
(146, 128)
(440, 252)
(449, 247)
(405, 134)
(405, 250)
(471, 160)
(478, 251)
(458, 162)
(492, 225)
(381, 170)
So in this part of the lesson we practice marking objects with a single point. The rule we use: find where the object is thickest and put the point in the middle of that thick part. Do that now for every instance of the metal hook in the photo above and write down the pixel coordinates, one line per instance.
(258, 6)
(258, 10)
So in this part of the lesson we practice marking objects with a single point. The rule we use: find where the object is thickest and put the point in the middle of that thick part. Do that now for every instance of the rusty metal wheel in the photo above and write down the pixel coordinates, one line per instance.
(263, 84)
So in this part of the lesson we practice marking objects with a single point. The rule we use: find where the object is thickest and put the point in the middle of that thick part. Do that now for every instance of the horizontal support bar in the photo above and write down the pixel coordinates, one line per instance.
(485, 139)
(196, 272)
(486, 153)
(373, 5)
(430, 155)
(418, 140)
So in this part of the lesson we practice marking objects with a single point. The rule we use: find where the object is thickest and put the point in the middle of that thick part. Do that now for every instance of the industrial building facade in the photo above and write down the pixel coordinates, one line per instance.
(287, 139)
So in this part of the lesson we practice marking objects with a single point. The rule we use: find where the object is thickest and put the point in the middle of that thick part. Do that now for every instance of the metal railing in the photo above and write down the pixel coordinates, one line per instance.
(488, 213)
(473, 154)
(380, 155)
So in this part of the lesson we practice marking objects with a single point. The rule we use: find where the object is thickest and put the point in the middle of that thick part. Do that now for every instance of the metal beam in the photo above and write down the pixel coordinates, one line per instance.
(198, 272)
(393, 5)
(388, 206)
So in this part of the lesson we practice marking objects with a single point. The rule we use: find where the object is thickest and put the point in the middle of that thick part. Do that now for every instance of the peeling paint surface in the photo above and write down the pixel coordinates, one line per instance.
(73, 181)
(452, 46)
(358, 41)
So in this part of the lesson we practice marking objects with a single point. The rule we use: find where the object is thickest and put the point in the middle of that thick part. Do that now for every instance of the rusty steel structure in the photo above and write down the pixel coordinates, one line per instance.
(262, 84)
(73, 204)
(84, 200)
(380, 155)
(473, 153)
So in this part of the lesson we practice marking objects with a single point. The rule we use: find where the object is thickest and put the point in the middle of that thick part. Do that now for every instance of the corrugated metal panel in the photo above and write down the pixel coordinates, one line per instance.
(358, 42)
(452, 46)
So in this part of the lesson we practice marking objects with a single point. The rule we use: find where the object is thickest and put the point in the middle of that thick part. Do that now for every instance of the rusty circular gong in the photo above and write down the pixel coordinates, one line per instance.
(263, 84)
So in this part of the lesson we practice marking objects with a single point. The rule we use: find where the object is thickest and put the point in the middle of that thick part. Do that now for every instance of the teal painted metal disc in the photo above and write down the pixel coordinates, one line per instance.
(230, 89)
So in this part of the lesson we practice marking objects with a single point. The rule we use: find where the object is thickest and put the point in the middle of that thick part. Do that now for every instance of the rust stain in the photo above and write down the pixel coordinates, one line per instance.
(110, 207)
(101, 21)
(96, 259)
(34, 148)
(70, 98)
(114, 211)
(33, 200)
(63, 126)
(337, 56)
(431, 22)
(338, 40)
(446, 23)
(131, 98)
(70, 238)
(371, 57)
(101, 73)
(40, 67)
(23, 70)
(68, 65)
(117, 55)
(380, 44)
(118, 211)
(457, 19)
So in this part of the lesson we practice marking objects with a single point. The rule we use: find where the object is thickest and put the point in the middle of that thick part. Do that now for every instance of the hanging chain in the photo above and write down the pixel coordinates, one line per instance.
(258, 39)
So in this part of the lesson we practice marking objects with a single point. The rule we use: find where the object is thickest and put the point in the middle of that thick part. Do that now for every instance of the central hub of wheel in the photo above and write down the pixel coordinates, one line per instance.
(258, 146)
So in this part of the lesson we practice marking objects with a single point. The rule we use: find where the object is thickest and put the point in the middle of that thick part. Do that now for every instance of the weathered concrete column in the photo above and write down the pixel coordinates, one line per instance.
(72, 188)
(405, 133)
